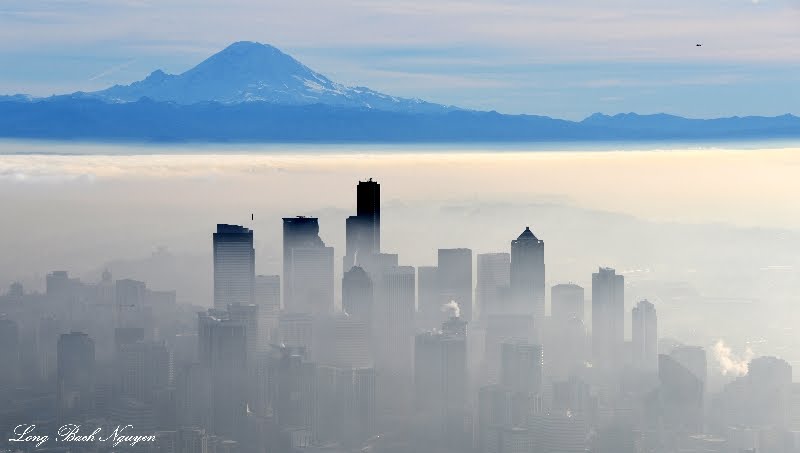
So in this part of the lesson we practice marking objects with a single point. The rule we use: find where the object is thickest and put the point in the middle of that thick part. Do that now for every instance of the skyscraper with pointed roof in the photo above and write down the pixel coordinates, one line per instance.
(527, 275)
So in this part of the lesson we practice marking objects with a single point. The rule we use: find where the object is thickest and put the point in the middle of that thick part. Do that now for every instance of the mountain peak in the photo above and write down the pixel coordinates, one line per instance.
(247, 71)
(250, 50)
(249, 46)
(157, 75)
(245, 65)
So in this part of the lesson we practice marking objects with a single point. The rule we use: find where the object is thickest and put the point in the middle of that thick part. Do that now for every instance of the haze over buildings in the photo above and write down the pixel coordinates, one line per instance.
(469, 355)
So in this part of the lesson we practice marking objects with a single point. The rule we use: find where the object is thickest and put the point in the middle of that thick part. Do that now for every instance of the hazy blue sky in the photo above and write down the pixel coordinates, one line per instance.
(560, 58)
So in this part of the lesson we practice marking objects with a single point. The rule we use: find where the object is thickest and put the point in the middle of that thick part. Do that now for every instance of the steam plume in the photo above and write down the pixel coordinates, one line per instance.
(453, 308)
(730, 363)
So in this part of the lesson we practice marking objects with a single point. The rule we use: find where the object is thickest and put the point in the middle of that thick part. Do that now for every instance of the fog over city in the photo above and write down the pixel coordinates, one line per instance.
(393, 299)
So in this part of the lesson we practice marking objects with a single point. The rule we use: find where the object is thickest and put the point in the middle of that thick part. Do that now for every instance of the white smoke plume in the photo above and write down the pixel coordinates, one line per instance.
(453, 308)
(730, 363)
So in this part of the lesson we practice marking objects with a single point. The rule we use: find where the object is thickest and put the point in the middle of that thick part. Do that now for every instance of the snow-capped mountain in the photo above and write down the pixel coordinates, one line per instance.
(249, 71)
(253, 92)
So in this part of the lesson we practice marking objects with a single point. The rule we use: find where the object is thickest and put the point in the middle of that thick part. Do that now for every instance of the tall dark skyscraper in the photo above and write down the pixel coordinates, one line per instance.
(608, 319)
(75, 391)
(455, 279)
(644, 331)
(363, 230)
(234, 266)
(369, 207)
(527, 275)
(307, 267)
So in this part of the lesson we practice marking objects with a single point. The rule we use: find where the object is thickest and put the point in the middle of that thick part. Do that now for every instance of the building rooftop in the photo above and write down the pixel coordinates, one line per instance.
(527, 234)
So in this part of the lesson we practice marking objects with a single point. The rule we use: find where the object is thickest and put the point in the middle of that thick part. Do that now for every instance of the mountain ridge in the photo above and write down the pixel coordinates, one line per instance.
(255, 92)
(146, 120)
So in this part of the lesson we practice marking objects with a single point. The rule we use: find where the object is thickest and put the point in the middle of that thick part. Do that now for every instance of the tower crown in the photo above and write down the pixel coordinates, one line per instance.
(527, 234)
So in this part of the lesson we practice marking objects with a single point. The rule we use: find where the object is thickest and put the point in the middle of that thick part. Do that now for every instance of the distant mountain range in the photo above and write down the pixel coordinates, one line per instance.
(255, 92)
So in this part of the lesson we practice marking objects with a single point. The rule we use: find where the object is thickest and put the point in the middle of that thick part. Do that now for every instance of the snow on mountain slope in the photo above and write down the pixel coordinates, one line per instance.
(247, 72)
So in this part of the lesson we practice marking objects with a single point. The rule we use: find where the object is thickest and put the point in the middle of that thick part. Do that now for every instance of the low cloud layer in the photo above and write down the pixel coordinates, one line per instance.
(636, 183)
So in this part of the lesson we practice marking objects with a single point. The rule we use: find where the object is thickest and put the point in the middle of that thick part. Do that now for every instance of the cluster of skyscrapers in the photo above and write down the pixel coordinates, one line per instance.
(450, 357)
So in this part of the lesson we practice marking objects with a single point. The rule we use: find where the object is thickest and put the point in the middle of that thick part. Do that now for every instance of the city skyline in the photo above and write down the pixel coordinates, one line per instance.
(496, 369)
(399, 226)
(58, 276)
